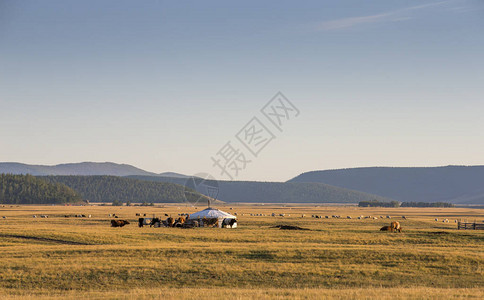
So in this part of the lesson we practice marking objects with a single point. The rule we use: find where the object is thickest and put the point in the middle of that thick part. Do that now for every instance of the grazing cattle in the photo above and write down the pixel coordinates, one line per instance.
(119, 223)
(4, 217)
(388, 217)
(395, 226)
(170, 222)
(189, 224)
(180, 221)
(34, 216)
(210, 222)
(156, 222)
(348, 217)
(229, 223)
(141, 222)
(436, 220)
(138, 215)
(386, 228)
(403, 217)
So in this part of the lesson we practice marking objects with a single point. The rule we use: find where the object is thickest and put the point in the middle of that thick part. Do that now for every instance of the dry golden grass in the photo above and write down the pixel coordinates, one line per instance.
(62, 257)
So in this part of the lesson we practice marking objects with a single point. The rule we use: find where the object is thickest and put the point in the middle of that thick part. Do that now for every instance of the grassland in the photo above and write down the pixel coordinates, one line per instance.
(60, 257)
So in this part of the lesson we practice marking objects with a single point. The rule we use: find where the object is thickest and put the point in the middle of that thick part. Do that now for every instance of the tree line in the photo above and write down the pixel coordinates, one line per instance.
(121, 189)
(28, 189)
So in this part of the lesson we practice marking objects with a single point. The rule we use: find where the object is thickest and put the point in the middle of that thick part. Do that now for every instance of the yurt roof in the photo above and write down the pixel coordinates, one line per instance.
(211, 213)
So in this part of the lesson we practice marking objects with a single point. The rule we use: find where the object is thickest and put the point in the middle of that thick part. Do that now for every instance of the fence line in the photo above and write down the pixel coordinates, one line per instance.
(470, 226)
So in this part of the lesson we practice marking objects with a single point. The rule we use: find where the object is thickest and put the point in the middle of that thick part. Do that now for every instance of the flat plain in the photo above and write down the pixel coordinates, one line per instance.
(69, 257)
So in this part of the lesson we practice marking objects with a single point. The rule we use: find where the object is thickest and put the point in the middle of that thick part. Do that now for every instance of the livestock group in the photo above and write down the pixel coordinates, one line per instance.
(182, 221)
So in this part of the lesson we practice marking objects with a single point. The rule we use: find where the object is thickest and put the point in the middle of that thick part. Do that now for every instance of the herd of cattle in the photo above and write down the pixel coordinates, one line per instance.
(183, 221)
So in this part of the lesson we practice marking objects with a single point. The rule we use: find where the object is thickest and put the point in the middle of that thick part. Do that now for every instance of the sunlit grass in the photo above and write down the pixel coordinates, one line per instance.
(68, 257)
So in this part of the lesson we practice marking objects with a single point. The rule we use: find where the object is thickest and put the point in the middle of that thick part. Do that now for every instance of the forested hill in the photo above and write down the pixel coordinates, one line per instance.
(27, 189)
(111, 188)
(278, 192)
(84, 168)
(455, 184)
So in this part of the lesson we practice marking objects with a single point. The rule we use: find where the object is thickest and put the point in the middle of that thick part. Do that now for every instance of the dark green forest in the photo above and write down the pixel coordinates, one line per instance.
(27, 189)
(112, 188)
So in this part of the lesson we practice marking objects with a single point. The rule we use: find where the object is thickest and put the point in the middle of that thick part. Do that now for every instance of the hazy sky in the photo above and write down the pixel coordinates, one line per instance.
(164, 85)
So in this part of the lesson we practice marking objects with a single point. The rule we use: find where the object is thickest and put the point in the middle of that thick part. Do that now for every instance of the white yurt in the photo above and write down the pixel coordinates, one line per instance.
(214, 213)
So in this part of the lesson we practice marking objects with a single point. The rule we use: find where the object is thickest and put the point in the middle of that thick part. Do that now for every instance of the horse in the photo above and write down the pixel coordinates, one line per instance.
(395, 226)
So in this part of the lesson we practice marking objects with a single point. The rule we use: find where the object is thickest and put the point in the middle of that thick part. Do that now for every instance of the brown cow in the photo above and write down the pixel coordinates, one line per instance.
(119, 223)
(386, 228)
(170, 222)
(180, 221)
(395, 226)
(210, 222)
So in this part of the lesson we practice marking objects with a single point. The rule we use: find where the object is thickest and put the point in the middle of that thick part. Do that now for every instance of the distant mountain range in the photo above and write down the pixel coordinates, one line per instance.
(84, 168)
(455, 184)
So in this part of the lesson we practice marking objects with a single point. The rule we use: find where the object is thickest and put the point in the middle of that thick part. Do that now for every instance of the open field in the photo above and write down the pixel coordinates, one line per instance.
(60, 257)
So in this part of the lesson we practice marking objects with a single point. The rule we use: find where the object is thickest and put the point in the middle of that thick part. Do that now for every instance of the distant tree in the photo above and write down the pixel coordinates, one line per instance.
(128, 203)
(117, 203)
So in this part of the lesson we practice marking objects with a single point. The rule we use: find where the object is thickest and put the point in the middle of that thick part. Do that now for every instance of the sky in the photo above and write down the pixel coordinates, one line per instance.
(170, 85)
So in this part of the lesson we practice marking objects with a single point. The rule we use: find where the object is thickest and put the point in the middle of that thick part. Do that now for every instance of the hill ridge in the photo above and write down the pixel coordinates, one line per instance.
(456, 184)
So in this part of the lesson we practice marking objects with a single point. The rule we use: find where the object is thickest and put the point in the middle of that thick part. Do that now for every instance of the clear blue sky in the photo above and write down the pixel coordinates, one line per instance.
(163, 85)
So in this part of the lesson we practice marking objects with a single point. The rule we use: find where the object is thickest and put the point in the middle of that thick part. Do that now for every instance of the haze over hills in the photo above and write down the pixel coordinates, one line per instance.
(276, 192)
(83, 168)
(456, 184)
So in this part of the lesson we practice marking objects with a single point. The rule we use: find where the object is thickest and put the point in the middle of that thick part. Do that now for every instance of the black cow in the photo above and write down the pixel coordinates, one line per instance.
(155, 222)
(229, 222)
